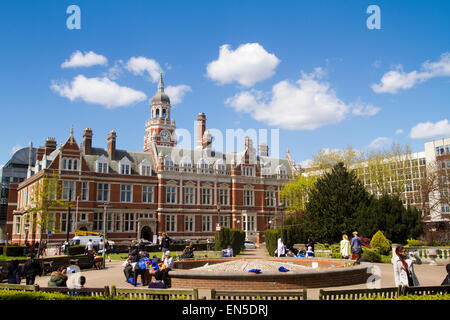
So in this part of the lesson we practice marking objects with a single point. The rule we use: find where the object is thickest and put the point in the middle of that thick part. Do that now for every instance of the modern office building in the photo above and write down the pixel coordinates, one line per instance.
(12, 173)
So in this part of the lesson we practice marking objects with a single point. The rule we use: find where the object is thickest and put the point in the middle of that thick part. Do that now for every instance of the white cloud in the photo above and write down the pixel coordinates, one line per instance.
(361, 109)
(306, 105)
(176, 93)
(425, 130)
(14, 149)
(247, 65)
(376, 64)
(142, 65)
(399, 131)
(306, 163)
(88, 59)
(396, 80)
(98, 91)
(380, 143)
(115, 71)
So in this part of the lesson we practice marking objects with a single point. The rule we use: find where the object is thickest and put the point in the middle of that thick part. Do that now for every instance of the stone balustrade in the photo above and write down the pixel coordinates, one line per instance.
(429, 255)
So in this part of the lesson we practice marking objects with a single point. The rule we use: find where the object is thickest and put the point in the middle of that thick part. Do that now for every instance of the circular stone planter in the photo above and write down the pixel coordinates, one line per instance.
(330, 273)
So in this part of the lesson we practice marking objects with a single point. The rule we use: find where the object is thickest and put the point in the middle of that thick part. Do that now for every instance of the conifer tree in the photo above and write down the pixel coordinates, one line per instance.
(334, 204)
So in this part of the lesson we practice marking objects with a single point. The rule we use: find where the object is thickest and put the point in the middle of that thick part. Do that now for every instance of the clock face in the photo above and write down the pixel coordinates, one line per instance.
(165, 135)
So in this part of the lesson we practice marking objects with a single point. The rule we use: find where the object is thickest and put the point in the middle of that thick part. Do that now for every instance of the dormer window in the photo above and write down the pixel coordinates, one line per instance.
(125, 166)
(145, 168)
(220, 165)
(125, 169)
(203, 164)
(102, 165)
(281, 171)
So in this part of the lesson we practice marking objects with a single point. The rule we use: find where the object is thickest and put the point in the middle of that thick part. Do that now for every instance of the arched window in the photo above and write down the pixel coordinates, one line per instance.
(163, 113)
(157, 113)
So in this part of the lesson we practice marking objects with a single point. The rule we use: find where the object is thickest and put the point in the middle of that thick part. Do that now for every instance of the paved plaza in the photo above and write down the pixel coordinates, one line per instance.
(429, 275)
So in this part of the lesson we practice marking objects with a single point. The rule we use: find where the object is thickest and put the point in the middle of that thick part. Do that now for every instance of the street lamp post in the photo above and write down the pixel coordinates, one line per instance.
(68, 220)
(104, 206)
(218, 216)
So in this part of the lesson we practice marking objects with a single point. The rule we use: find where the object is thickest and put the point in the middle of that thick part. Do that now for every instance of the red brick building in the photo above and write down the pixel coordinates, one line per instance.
(184, 192)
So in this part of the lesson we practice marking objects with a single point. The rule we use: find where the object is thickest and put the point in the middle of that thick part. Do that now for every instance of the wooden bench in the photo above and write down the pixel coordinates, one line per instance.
(425, 290)
(92, 292)
(259, 295)
(19, 287)
(392, 292)
(358, 293)
(156, 294)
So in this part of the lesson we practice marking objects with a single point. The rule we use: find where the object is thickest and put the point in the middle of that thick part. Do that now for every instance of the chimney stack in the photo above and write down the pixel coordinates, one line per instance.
(50, 146)
(263, 150)
(112, 145)
(201, 127)
(87, 141)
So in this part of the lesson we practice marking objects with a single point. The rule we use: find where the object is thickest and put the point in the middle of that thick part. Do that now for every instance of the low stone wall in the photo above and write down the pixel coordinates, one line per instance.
(336, 274)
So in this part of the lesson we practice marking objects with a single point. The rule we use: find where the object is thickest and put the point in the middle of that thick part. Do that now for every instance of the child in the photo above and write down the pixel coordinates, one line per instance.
(309, 253)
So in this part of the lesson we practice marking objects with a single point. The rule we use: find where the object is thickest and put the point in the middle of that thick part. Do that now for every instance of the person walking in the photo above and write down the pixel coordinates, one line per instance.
(310, 243)
(345, 247)
(31, 269)
(14, 272)
(109, 250)
(165, 244)
(446, 281)
(89, 246)
(356, 246)
(403, 267)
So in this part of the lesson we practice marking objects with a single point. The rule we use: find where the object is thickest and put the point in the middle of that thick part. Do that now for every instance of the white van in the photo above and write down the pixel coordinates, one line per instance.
(83, 240)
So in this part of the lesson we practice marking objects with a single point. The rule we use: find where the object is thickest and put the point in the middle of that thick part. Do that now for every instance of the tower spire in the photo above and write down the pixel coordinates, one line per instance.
(161, 83)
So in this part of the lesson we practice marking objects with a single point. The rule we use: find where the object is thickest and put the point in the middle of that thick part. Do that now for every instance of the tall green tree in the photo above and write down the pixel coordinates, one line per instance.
(334, 203)
(389, 215)
(45, 200)
(295, 193)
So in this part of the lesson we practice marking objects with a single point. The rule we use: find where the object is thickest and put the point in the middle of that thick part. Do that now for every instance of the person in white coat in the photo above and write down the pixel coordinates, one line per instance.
(403, 267)
(345, 247)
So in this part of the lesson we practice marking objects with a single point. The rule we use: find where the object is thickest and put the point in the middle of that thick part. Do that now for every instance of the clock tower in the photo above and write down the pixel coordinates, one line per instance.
(160, 129)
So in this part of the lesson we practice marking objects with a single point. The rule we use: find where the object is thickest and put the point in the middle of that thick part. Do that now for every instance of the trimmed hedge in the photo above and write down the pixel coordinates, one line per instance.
(371, 255)
(74, 250)
(272, 236)
(226, 237)
(15, 251)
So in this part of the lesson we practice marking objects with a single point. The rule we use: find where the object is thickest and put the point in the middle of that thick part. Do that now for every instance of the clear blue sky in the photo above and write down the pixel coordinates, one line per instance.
(320, 53)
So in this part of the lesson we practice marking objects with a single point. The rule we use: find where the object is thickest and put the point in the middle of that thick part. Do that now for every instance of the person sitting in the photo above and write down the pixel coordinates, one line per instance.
(188, 251)
(228, 252)
(14, 272)
(128, 267)
(290, 253)
(309, 253)
(58, 278)
(141, 269)
(95, 260)
(301, 253)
